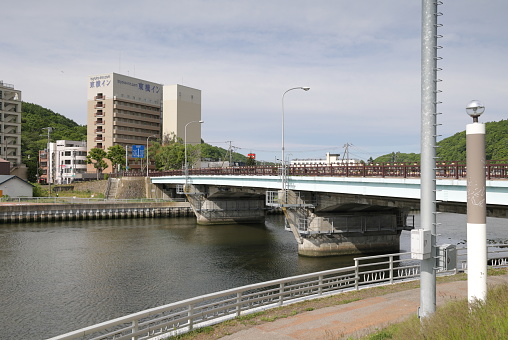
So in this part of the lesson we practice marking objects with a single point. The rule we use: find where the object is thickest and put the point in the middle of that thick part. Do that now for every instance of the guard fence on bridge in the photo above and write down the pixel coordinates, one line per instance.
(184, 316)
(451, 170)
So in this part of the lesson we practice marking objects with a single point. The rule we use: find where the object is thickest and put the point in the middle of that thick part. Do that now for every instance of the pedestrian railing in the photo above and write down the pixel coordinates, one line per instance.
(187, 315)
(184, 316)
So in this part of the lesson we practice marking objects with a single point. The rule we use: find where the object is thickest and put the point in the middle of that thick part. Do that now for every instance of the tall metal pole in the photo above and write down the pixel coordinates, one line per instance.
(284, 184)
(476, 206)
(428, 152)
(50, 159)
(186, 165)
(147, 161)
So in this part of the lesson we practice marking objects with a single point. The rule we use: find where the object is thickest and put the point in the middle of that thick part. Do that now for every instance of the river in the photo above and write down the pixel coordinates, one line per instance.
(61, 276)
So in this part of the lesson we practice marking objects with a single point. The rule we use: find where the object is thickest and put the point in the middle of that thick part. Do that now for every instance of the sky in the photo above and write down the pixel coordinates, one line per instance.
(361, 60)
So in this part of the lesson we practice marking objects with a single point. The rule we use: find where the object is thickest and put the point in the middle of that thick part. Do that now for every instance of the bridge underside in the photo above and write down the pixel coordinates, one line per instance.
(323, 224)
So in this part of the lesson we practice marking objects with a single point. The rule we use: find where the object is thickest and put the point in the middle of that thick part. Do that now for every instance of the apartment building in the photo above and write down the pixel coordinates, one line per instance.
(10, 124)
(63, 162)
(133, 112)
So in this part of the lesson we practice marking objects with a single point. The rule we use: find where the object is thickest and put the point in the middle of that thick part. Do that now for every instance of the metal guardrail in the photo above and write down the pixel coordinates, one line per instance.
(186, 315)
(79, 200)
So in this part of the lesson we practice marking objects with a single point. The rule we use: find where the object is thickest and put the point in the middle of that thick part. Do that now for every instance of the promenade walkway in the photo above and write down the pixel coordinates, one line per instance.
(355, 318)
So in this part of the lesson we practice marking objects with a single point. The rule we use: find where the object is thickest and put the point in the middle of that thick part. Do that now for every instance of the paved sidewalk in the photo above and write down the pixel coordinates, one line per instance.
(354, 318)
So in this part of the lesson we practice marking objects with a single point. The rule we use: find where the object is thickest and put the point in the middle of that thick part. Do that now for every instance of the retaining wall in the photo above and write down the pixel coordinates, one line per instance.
(19, 213)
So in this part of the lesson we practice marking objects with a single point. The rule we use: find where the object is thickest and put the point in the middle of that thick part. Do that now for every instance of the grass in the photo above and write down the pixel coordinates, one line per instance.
(458, 319)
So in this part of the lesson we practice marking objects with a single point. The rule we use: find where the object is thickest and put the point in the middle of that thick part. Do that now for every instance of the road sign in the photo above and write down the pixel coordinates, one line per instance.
(138, 151)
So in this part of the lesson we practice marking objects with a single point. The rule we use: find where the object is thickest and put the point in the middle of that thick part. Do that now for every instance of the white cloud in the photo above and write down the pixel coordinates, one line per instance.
(360, 58)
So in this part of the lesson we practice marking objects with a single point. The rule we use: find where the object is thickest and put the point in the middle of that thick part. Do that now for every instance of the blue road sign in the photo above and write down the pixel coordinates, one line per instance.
(138, 151)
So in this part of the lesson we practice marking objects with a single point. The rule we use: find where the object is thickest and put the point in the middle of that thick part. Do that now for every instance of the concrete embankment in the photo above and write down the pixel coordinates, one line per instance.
(26, 212)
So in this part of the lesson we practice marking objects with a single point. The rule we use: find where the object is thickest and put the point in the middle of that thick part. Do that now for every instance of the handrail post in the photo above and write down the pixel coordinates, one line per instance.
(238, 301)
(281, 292)
(357, 273)
(391, 269)
(134, 329)
(189, 318)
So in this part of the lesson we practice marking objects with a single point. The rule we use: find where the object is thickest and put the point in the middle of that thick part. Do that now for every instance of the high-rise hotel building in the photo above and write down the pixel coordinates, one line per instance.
(10, 124)
(128, 111)
(122, 111)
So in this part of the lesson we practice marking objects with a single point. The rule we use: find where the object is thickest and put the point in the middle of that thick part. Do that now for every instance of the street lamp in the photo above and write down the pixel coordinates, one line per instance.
(476, 205)
(185, 146)
(283, 159)
(147, 163)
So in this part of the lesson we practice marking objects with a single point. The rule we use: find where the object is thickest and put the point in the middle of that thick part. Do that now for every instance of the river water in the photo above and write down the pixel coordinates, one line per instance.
(61, 276)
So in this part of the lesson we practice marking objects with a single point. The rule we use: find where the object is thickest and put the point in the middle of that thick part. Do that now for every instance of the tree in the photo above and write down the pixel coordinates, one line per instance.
(97, 155)
(116, 154)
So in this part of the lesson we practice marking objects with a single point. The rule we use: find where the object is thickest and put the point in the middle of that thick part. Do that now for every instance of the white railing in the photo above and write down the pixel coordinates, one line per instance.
(80, 200)
(184, 316)
(497, 255)
(187, 315)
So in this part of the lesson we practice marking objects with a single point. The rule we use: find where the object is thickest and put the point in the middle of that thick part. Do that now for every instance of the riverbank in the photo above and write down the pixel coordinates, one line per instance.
(21, 212)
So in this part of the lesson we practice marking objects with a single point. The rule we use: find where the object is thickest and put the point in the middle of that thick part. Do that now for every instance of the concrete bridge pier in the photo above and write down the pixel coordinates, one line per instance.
(218, 205)
(323, 228)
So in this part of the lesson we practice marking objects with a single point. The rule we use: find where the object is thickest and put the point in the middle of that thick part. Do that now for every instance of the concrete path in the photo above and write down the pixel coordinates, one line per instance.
(354, 318)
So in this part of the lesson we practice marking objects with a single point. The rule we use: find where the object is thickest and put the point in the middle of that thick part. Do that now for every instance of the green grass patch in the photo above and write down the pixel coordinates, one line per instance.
(457, 320)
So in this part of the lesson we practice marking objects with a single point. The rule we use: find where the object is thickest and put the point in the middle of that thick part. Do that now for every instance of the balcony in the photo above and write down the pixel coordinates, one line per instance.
(99, 122)
(99, 131)
(99, 114)
(99, 106)
(99, 139)
(100, 97)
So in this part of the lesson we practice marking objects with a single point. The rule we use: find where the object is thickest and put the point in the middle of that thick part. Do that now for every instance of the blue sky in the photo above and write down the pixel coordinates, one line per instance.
(360, 58)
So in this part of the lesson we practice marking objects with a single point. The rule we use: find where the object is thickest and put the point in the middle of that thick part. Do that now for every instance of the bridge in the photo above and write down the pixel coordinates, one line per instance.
(331, 210)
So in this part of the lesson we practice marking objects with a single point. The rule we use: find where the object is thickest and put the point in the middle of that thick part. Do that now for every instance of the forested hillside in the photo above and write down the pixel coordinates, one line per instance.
(453, 148)
(34, 135)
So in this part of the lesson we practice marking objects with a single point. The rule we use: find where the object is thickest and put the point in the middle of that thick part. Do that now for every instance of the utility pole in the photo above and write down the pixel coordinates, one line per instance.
(50, 129)
(230, 151)
(429, 114)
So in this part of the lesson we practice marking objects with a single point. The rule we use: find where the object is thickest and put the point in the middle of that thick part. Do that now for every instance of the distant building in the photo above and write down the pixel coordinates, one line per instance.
(129, 112)
(331, 159)
(182, 105)
(10, 124)
(63, 162)
(14, 186)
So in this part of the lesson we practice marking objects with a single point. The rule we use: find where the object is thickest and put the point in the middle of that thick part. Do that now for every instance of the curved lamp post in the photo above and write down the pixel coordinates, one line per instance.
(186, 166)
(283, 159)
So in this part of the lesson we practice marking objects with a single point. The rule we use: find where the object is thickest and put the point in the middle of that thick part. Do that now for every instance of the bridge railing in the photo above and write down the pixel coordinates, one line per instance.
(452, 170)
(184, 316)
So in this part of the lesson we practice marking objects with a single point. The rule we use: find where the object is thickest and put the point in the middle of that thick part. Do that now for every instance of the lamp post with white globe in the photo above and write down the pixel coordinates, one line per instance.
(476, 205)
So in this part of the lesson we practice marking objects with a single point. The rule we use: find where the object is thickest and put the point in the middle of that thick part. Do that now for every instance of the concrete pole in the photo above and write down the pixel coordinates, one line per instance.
(428, 153)
(476, 213)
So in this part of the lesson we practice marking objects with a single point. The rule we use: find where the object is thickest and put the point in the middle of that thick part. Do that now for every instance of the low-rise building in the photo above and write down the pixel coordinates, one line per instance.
(331, 159)
(63, 162)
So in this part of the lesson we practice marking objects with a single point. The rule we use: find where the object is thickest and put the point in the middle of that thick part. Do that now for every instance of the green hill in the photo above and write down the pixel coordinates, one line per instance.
(453, 148)
(34, 136)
